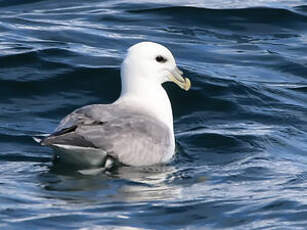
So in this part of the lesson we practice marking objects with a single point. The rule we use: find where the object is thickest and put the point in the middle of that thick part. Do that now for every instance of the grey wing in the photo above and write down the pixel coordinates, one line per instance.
(132, 139)
(89, 114)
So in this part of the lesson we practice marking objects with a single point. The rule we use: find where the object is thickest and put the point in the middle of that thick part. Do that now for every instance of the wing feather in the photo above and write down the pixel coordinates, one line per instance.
(130, 137)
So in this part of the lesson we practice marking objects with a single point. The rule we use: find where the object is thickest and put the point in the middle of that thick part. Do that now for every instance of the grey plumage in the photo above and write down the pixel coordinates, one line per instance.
(123, 133)
(137, 129)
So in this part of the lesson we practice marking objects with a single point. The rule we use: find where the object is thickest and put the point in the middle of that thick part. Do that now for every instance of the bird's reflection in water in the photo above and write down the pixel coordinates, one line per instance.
(123, 184)
(147, 183)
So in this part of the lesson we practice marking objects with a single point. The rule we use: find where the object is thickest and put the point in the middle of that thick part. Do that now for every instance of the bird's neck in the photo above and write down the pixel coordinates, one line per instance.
(152, 98)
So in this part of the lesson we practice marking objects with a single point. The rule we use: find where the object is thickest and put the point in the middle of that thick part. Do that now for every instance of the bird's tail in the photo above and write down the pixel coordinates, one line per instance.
(39, 138)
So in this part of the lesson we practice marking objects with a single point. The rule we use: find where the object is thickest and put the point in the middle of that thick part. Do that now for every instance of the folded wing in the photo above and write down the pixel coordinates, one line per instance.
(129, 137)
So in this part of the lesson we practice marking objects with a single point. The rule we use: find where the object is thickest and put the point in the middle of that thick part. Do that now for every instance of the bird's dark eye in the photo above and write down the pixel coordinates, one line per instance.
(161, 59)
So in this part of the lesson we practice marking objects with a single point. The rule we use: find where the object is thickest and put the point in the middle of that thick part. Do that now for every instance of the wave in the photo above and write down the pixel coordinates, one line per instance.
(5, 3)
(227, 17)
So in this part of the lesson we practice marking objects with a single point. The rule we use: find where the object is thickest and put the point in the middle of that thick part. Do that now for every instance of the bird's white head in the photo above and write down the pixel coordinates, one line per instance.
(147, 66)
(150, 64)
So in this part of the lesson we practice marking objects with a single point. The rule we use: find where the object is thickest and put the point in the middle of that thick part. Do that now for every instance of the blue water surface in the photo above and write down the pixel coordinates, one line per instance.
(241, 131)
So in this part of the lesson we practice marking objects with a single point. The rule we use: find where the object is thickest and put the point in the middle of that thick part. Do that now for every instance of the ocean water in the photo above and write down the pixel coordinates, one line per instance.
(241, 131)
